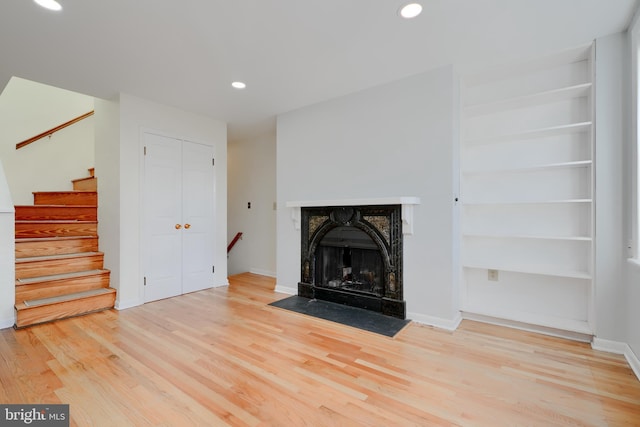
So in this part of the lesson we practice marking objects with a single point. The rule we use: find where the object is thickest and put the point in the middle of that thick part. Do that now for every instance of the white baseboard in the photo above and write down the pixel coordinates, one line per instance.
(609, 346)
(529, 327)
(633, 360)
(286, 290)
(7, 323)
(617, 347)
(123, 305)
(438, 322)
(262, 272)
(220, 285)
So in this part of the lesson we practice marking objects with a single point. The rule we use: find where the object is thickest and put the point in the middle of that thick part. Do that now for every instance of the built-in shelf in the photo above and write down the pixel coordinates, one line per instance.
(527, 236)
(532, 168)
(546, 97)
(529, 269)
(524, 202)
(534, 65)
(527, 187)
(530, 134)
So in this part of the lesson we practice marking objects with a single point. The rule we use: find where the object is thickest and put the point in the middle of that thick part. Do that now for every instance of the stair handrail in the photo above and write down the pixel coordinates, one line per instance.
(53, 130)
(234, 241)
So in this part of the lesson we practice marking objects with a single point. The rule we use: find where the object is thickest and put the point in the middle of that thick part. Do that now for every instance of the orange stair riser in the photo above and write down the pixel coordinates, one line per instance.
(53, 229)
(54, 288)
(85, 184)
(66, 198)
(25, 270)
(55, 247)
(61, 310)
(43, 212)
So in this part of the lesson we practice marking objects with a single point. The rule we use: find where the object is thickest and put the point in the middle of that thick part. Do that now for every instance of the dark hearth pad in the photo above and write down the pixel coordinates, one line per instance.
(351, 316)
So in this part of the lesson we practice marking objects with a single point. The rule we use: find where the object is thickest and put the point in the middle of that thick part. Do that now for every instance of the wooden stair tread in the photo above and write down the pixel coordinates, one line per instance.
(58, 264)
(54, 221)
(62, 276)
(55, 245)
(64, 298)
(86, 178)
(64, 192)
(39, 287)
(72, 197)
(89, 183)
(52, 238)
(56, 212)
(54, 206)
(63, 306)
(48, 228)
(61, 256)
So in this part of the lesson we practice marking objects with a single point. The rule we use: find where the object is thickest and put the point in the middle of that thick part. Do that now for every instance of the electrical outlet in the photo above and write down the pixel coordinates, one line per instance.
(492, 275)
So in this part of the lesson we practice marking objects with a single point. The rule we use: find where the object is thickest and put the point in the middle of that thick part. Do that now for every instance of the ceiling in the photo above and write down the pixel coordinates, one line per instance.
(291, 53)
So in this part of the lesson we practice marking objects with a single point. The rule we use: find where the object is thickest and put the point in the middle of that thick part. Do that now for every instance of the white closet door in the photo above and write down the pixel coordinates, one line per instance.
(197, 209)
(162, 217)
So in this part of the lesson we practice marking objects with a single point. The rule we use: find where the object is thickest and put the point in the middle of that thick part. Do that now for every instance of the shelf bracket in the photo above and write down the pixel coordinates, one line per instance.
(295, 217)
(407, 219)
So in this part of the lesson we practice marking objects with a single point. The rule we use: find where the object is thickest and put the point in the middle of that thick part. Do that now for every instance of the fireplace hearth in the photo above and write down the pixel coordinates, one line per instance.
(352, 255)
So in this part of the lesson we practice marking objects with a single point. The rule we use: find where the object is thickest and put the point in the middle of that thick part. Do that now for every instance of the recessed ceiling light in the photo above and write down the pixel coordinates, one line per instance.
(49, 4)
(411, 10)
(239, 85)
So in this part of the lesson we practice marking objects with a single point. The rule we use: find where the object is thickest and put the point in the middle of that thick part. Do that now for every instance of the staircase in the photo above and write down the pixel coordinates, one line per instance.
(59, 269)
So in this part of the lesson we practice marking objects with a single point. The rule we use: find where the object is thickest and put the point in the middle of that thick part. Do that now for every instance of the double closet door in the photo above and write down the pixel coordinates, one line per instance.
(178, 217)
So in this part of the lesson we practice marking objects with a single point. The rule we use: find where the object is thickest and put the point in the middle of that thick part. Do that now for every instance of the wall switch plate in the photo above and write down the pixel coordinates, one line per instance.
(492, 275)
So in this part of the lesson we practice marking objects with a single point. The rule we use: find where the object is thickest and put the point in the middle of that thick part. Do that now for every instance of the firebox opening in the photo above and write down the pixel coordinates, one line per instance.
(348, 259)
(352, 255)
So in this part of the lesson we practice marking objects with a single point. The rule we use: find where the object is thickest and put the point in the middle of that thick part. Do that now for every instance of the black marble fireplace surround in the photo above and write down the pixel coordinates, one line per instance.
(352, 255)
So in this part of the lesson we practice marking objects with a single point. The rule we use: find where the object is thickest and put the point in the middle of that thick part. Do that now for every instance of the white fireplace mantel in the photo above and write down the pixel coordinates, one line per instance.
(407, 207)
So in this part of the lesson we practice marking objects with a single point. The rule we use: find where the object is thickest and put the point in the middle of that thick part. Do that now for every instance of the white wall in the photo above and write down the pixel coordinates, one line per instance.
(397, 139)
(107, 163)
(609, 244)
(27, 109)
(632, 296)
(7, 254)
(632, 267)
(617, 279)
(135, 115)
(252, 178)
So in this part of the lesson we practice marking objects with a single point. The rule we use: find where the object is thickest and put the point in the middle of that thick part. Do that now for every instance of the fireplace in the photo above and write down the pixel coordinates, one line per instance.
(353, 255)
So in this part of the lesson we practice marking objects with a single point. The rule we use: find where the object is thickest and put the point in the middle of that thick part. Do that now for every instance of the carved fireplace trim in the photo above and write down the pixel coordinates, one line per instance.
(385, 223)
(407, 203)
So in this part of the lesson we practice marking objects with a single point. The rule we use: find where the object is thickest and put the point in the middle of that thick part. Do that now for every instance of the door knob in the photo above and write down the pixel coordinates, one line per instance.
(178, 226)
(187, 226)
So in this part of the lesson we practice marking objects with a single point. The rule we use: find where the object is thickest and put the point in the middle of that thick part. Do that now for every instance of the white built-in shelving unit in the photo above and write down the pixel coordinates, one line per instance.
(527, 186)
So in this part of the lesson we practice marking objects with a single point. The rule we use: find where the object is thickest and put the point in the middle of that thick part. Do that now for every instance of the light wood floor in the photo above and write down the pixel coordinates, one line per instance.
(224, 357)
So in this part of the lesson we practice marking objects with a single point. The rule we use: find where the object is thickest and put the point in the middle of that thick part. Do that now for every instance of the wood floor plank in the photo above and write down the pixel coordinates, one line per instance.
(225, 357)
